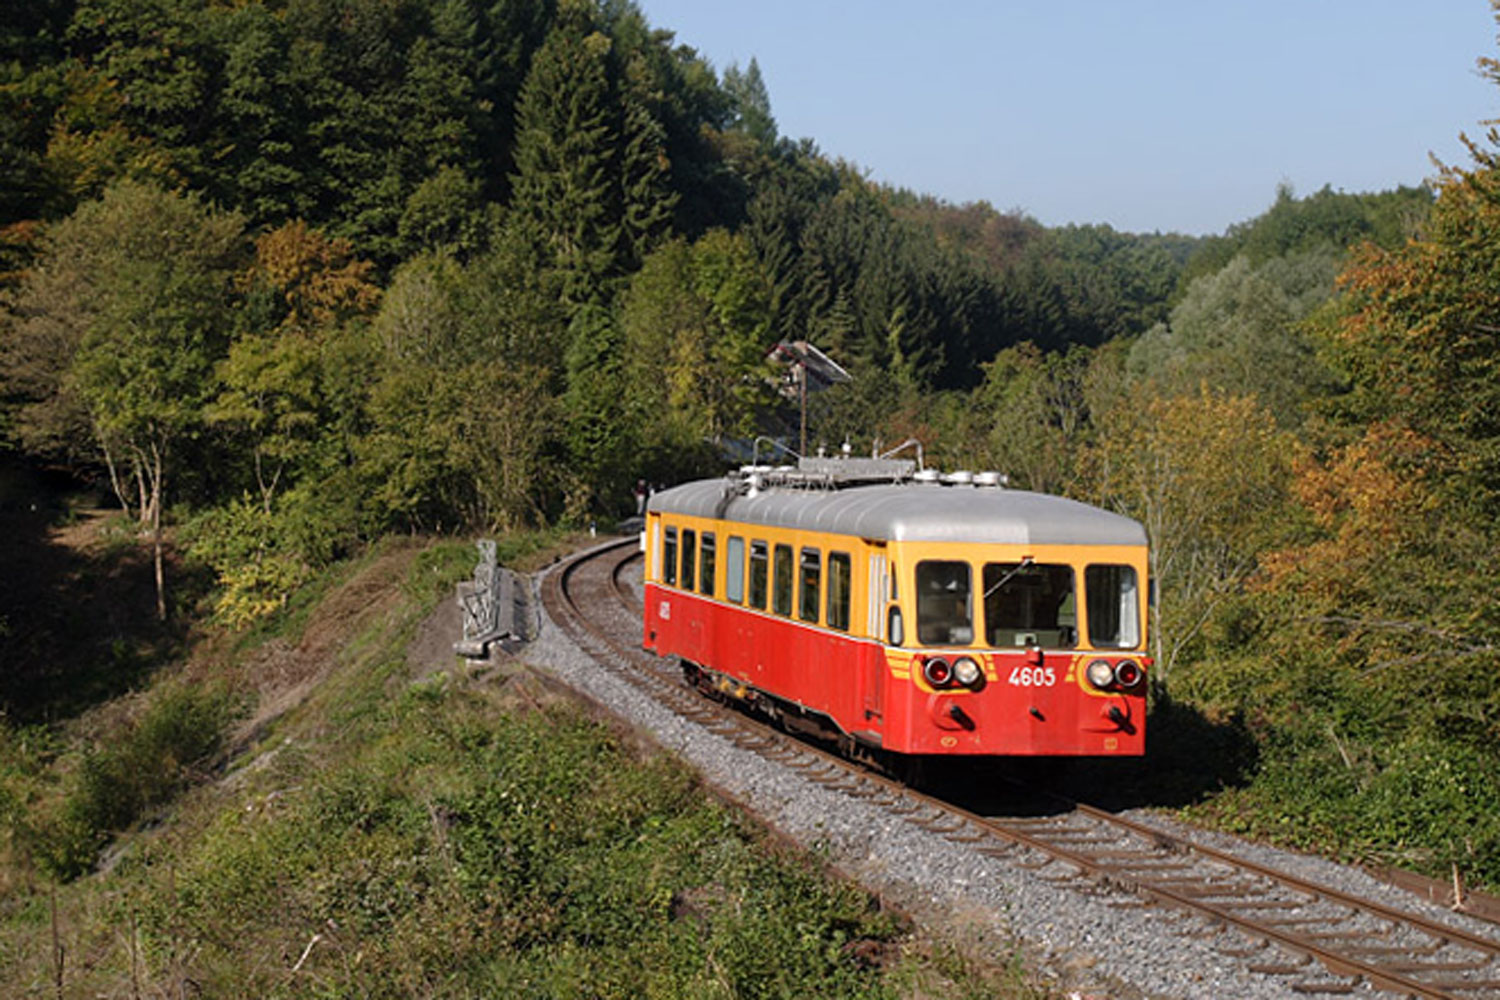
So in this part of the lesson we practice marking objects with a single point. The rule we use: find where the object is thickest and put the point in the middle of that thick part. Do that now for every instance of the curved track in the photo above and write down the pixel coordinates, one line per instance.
(1316, 939)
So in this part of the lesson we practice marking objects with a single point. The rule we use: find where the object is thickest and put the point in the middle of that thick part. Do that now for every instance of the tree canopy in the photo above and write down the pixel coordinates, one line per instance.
(293, 274)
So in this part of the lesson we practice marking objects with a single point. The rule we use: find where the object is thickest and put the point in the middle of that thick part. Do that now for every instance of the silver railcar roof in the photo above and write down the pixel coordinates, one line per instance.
(908, 513)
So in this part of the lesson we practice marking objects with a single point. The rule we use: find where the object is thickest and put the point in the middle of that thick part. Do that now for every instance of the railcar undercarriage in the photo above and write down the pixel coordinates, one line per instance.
(803, 723)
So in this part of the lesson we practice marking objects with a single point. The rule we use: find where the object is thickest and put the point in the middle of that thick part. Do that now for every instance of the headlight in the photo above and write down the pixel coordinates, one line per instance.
(1100, 674)
(1128, 673)
(966, 671)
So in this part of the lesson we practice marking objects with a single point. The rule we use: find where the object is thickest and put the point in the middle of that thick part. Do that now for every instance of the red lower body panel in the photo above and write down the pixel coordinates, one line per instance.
(1023, 709)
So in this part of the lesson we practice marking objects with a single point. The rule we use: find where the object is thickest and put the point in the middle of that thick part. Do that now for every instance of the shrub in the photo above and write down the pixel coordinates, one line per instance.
(1420, 801)
(114, 784)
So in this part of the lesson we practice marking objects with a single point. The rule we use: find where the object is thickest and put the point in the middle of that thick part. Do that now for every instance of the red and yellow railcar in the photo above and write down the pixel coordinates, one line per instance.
(908, 612)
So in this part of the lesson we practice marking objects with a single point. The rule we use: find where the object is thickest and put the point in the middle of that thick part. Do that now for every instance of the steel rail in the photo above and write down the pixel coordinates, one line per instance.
(1116, 868)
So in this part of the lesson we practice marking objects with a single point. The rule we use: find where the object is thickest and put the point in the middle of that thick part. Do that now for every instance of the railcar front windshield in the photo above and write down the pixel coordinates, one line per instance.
(1029, 604)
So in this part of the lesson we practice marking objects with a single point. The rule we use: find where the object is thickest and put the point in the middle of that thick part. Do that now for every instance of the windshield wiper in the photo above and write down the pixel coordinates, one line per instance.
(1026, 561)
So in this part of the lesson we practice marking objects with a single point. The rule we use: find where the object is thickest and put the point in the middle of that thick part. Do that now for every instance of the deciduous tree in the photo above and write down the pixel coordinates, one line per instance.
(1207, 475)
(156, 313)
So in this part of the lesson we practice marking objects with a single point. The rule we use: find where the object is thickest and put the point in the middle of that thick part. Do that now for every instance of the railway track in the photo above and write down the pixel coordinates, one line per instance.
(1313, 939)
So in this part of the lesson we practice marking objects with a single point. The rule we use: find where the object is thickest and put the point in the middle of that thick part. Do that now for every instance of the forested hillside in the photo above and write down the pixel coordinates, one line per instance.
(287, 276)
(456, 265)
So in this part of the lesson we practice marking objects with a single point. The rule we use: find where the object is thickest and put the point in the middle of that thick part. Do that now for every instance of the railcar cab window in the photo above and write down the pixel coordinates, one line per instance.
(759, 559)
(781, 581)
(811, 585)
(1029, 604)
(708, 552)
(734, 570)
(689, 556)
(1114, 606)
(944, 613)
(669, 558)
(839, 591)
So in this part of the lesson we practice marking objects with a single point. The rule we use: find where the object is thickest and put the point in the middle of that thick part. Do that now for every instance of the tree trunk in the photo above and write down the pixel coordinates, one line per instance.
(156, 541)
(141, 486)
(266, 489)
(114, 473)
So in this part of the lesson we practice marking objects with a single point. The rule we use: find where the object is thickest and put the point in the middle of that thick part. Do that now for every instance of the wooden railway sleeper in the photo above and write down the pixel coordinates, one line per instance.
(1146, 865)
(1231, 894)
(1046, 825)
(932, 815)
(1093, 835)
(968, 836)
(940, 824)
(1441, 966)
(1374, 932)
(1290, 966)
(1486, 986)
(1151, 859)
(1068, 873)
(1244, 950)
(999, 850)
(1295, 922)
(1278, 904)
(862, 790)
(1132, 903)
(1070, 838)
(1353, 947)
(1331, 986)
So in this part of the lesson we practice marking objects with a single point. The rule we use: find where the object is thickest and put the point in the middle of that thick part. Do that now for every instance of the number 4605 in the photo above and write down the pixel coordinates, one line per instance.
(1033, 677)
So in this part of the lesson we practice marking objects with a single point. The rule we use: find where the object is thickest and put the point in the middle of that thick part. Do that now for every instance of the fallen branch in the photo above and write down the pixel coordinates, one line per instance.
(306, 952)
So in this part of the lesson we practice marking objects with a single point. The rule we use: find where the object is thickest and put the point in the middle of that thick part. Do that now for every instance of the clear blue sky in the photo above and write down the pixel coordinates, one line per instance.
(1177, 115)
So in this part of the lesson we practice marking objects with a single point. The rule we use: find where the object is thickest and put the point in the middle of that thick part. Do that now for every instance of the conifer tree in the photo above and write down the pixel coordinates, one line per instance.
(566, 163)
(752, 104)
(645, 172)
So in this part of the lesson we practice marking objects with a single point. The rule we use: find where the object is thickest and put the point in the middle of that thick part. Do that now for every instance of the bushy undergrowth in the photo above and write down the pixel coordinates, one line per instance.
(442, 838)
(461, 854)
(1395, 767)
(1418, 802)
(113, 784)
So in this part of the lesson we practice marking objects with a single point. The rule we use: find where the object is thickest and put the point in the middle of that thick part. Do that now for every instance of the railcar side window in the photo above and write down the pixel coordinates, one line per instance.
(759, 557)
(1113, 605)
(734, 570)
(838, 590)
(1027, 604)
(706, 568)
(781, 581)
(669, 558)
(812, 581)
(689, 557)
(944, 615)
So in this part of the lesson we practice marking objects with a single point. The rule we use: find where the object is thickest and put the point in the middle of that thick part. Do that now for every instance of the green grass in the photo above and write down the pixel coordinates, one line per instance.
(446, 837)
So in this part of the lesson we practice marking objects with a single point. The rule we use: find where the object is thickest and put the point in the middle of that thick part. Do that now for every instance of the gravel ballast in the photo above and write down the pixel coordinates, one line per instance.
(1093, 943)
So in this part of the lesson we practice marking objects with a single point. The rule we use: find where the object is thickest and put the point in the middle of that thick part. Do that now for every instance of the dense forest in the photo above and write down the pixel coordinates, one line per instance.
(282, 277)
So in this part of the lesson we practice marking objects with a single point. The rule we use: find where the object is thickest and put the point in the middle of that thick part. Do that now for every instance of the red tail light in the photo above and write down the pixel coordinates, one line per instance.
(937, 671)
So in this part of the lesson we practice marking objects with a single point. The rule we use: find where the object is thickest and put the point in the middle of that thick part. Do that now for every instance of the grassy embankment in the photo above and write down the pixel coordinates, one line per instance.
(313, 810)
